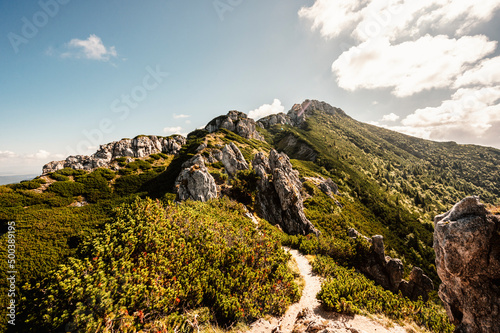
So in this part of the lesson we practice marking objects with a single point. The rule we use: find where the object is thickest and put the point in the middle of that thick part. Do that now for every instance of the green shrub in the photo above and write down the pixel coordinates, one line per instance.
(59, 177)
(29, 184)
(346, 291)
(217, 165)
(155, 156)
(96, 186)
(151, 266)
(139, 164)
(121, 159)
(220, 177)
(66, 188)
(244, 186)
(164, 156)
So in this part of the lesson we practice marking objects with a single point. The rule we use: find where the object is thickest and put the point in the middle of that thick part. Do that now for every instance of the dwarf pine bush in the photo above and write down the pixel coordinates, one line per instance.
(349, 292)
(152, 265)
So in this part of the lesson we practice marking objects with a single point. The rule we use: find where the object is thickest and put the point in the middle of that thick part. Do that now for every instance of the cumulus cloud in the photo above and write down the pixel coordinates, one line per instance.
(7, 154)
(172, 130)
(21, 163)
(181, 116)
(397, 19)
(487, 73)
(390, 117)
(91, 48)
(266, 110)
(409, 67)
(471, 115)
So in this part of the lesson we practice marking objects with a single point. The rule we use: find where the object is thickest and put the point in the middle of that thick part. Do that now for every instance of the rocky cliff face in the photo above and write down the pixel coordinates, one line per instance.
(140, 146)
(388, 272)
(236, 122)
(232, 159)
(278, 193)
(195, 182)
(274, 119)
(467, 246)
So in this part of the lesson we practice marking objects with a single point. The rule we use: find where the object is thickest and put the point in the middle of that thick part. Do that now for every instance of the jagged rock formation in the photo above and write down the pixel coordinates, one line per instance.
(297, 148)
(298, 113)
(140, 146)
(467, 246)
(388, 272)
(327, 186)
(274, 119)
(236, 122)
(278, 193)
(195, 182)
(233, 159)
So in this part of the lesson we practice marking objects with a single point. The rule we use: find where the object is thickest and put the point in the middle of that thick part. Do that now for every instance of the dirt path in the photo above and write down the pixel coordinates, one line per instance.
(333, 322)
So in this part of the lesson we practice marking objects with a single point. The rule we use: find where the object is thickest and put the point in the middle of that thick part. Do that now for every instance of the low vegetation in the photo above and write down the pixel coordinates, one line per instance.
(348, 292)
(150, 267)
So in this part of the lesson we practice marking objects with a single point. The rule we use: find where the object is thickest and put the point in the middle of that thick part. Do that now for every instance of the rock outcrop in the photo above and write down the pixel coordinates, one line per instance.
(274, 119)
(299, 112)
(233, 159)
(195, 182)
(140, 146)
(236, 122)
(388, 272)
(278, 193)
(467, 246)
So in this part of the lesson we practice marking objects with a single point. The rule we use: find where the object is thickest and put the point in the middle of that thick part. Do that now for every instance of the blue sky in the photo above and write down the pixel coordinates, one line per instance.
(76, 74)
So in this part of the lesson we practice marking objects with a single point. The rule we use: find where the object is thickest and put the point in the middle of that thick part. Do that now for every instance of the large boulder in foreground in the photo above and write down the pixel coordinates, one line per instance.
(467, 246)
(278, 194)
(195, 182)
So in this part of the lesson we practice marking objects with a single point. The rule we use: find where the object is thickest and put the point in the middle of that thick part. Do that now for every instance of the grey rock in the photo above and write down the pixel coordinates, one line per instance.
(140, 146)
(388, 272)
(299, 112)
(236, 122)
(278, 194)
(233, 159)
(467, 246)
(329, 188)
(292, 146)
(274, 119)
(194, 182)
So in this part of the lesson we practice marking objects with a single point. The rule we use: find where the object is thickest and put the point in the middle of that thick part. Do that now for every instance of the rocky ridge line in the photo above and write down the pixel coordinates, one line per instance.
(140, 146)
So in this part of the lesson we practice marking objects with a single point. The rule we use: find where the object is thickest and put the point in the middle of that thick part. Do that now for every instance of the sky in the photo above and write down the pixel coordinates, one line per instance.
(77, 74)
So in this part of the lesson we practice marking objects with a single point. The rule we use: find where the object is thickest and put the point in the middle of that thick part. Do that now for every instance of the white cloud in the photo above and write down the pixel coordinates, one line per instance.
(7, 154)
(486, 73)
(17, 163)
(181, 116)
(390, 117)
(409, 67)
(396, 19)
(172, 130)
(266, 110)
(39, 155)
(471, 115)
(90, 48)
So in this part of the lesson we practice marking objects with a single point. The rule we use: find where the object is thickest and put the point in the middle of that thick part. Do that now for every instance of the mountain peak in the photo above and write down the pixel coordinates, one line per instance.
(299, 112)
